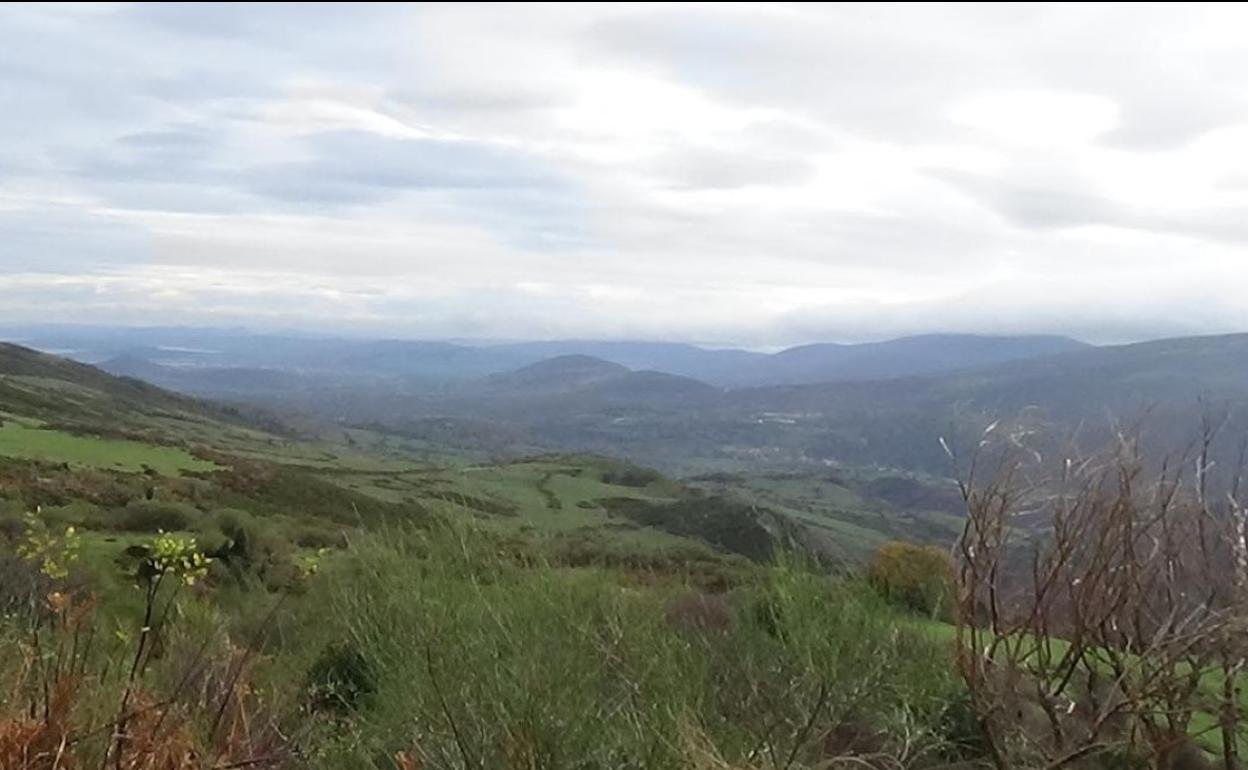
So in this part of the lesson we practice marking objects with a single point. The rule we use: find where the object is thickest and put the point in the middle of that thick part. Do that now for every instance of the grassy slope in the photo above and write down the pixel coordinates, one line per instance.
(36, 442)
(74, 414)
(102, 445)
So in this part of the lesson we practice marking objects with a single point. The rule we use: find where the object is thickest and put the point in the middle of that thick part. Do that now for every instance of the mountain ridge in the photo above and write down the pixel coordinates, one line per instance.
(413, 364)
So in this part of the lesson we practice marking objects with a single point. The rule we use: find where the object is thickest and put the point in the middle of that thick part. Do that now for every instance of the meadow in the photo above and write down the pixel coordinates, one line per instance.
(30, 440)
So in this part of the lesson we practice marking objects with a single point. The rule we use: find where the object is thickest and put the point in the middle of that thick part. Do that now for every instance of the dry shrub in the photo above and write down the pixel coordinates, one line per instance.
(209, 718)
(43, 743)
(1100, 601)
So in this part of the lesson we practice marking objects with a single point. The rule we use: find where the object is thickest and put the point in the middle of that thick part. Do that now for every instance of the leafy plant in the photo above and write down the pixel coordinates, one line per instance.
(53, 553)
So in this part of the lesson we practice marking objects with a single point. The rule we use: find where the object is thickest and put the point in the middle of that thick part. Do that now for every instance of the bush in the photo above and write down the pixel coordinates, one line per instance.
(316, 537)
(148, 516)
(918, 577)
(11, 526)
(22, 586)
(243, 545)
(630, 476)
(340, 680)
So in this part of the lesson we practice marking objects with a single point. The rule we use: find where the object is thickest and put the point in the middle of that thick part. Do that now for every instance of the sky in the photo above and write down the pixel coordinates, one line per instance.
(739, 174)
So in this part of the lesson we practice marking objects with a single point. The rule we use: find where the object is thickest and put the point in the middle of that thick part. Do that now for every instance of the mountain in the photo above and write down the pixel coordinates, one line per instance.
(41, 389)
(210, 382)
(709, 364)
(925, 388)
(652, 388)
(555, 375)
(1072, 385)
(895, 422)
(237, 359)
(904, 357)
(1166, 386)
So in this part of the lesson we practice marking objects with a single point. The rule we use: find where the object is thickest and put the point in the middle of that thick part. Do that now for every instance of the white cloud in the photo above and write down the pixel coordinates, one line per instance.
(725, 173)
(1037, 118)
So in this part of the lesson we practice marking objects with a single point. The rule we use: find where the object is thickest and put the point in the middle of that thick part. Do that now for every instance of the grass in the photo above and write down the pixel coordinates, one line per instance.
(29, 441)
(835, 505)
(477, 660)
(550, 496)
(446, 647)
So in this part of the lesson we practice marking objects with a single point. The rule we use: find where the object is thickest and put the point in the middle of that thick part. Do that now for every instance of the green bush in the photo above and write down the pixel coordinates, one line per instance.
(340, 680)
(151, 516)
(630, 476)
(918, 577)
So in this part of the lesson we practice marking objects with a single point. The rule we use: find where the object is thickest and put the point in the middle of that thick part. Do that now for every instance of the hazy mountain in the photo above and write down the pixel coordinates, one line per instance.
(575, 384)
(212, 382)
(712, 365)
(1072, 385)
(69, 393)
(555, 375)
(1164, 385)
(653, 388)
(406, 364)
(893, 422)
(583, 402)
(904, 357)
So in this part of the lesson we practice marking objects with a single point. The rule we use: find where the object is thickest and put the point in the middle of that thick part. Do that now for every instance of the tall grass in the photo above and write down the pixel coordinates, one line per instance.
(475, 659)
(442, 648)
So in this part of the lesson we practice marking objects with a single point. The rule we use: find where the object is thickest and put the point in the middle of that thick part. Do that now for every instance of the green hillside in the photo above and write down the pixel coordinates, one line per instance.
(73, 422)
(112, 455)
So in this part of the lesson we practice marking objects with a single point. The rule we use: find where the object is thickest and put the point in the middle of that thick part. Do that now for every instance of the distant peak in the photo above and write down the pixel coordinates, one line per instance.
(561, 371)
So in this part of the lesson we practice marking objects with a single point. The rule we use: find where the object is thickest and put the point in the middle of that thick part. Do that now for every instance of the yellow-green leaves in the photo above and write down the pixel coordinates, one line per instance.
(52, 553)
(310, 564)
(177, 556)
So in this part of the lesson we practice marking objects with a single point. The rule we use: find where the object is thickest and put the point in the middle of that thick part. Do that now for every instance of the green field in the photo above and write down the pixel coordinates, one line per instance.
(29, 441)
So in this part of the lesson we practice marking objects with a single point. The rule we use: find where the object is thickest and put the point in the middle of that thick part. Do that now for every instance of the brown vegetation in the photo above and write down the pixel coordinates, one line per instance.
(1115, 619)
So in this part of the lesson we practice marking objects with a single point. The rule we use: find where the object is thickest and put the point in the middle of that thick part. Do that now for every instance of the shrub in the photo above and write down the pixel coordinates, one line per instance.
(11, 526)
(148, 516)
(247, 543)
(918, 577)
(630, 476)
(319, 537)
(22, 585)
(341, 680)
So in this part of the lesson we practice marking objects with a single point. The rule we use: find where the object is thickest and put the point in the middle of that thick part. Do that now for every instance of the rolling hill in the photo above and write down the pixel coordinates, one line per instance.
(108, 453)
(50, 388)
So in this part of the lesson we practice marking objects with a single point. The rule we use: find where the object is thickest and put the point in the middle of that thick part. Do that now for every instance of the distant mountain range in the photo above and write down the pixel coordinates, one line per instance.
(182, 358)
(884, 404)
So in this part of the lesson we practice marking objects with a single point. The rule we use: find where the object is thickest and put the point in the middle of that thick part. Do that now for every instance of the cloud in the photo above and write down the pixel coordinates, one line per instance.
(360, 167)
(763, 174)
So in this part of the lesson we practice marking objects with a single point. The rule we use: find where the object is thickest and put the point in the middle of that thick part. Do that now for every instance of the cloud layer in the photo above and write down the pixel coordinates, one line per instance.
(756, 175)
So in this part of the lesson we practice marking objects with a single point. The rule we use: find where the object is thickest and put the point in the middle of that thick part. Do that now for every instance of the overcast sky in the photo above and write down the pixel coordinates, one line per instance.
(755, 175)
